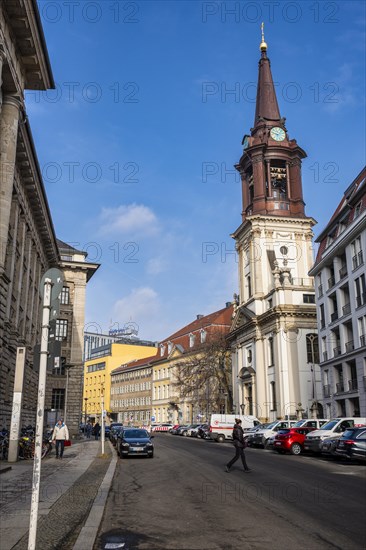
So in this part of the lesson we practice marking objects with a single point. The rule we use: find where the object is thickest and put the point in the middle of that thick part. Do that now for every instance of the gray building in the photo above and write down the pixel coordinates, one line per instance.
(340, 279)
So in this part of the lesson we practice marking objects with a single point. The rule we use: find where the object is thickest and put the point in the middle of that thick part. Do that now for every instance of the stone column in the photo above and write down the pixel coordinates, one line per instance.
(8, 145)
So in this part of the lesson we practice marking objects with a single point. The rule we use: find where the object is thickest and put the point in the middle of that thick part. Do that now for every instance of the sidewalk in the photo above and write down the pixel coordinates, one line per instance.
(73, 492)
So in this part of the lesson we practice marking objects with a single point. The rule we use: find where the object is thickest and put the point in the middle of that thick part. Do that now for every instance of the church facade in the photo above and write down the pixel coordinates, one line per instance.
(273, 336)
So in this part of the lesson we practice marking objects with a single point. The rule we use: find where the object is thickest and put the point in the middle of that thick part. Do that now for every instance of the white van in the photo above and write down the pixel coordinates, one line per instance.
(336, 426)
(222, 425)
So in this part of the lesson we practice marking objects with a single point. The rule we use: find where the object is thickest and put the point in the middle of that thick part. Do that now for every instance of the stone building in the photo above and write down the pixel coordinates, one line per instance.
(28, 246)
(64, 389)
(340, 281)
(274, 330)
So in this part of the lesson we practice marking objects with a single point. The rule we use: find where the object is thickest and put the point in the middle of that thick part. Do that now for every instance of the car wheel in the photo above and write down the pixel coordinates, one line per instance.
(266, 444)
(295, 449)
(220, 438)
(185, 434)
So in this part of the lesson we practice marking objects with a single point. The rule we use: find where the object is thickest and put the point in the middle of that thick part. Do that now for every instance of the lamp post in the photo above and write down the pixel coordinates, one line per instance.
(102, 407)
(314, 408)
(85, 411)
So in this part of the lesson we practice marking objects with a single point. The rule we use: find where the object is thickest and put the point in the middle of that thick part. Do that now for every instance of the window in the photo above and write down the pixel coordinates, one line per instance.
(192, 339)
(322, 318)
(203, 334)
(360, 286)
(170, 347)
(61, 329)
(58, 399)
(312, 348)
(308, 298)
(162, 350)
(65, 295)
(249, 286)
(271, 351)
(273, 396)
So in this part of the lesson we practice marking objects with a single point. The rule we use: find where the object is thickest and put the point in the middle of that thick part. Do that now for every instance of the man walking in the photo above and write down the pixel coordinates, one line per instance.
(60, 435)
(239, 443)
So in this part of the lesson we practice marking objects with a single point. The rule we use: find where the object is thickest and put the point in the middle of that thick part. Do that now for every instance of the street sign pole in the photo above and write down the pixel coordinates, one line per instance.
(51, 286)
(40, 414)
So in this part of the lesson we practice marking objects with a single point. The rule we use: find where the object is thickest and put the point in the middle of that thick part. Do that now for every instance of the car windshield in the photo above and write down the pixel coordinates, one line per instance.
(330, 425)
(271, 425)
(135, 434)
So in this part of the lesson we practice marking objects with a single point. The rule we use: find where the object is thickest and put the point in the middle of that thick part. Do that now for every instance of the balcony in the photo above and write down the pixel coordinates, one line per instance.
(331, 282)
(325, 356)
(352, 385)
(326, 391)
(320, 291)
(350, 346)
(340, 387)
(363, 340)
(334, 316)
(357, 260)
(337, 351)
(343, 272)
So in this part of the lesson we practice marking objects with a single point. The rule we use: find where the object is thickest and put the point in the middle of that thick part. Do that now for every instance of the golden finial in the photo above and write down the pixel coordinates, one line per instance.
(263, 45)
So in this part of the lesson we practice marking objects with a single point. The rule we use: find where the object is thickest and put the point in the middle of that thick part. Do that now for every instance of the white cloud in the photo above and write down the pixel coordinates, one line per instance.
(156, 266)
(141, 306)
(127, 219)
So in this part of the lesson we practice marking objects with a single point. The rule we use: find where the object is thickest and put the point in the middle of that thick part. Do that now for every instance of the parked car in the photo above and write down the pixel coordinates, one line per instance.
(249, 434)
(335, 426)
(113, 434)
(316, 423)
(107, 430)
(203, 431)
(173, 429)
(328, 445)
(187, 431)
(291, 440)
(352, 444)
(261, 437)
(135, 441)
(182, 429)
(194, 431)
(221, 425)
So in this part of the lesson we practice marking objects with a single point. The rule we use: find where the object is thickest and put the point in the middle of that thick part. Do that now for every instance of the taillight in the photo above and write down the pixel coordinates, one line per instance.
(348, 441)
(210, 428)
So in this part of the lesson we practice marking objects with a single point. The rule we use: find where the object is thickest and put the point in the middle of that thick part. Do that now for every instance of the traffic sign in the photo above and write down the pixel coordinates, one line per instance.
(57, 279)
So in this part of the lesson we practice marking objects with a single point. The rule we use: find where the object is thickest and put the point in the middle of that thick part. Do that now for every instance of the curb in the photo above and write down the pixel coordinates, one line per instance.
(89, 531)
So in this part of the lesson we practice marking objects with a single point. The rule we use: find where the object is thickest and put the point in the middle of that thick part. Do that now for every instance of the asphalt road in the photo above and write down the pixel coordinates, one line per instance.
(183, 499)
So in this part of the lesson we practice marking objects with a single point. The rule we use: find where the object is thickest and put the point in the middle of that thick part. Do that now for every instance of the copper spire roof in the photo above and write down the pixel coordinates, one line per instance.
(266, 103)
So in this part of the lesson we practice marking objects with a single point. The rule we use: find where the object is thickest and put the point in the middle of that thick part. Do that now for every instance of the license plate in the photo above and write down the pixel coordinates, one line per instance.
(137, 449)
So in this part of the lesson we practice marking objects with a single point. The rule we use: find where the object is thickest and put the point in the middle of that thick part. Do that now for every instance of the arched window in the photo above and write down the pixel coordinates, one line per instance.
(312, 348)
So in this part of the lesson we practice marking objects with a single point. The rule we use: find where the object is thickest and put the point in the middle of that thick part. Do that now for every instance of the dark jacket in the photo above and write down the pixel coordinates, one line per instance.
(238, 436)
(97, 429)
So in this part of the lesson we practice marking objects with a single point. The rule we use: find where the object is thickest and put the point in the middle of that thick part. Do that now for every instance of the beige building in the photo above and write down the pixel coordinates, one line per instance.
(65, 382)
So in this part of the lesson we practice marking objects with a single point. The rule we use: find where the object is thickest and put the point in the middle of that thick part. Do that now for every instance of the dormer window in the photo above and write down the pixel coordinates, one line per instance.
(192, 339)
(162, 350)
(203, 334)
(170, 347)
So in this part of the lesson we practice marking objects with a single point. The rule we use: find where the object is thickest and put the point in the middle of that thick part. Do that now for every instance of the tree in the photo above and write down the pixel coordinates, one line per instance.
(203, 376)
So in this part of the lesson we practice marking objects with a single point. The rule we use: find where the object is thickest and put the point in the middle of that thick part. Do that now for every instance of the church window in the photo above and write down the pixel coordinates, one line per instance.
(271, 352)
(278, 175)
(312, 348)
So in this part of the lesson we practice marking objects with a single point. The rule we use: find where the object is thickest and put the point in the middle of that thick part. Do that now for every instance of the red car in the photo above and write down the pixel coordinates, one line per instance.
(291, 440)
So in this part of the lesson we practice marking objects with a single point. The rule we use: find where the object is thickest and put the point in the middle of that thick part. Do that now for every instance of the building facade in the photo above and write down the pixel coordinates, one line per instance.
(64, 389)
(98, 370)
(274, 331)
(339, 272)
(97, 339)
(28, 246)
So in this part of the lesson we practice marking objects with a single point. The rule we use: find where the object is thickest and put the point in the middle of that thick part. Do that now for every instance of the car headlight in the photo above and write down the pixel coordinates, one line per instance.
(149, 444)
(124, 444)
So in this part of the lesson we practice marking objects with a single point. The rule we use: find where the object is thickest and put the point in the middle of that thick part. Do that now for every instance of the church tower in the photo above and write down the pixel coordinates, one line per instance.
(273, 335)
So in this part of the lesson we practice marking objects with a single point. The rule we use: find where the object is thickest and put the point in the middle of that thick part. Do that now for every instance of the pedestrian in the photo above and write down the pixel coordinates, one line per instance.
(88, 430)
(239, 443)
(96, 431)
(60, 435)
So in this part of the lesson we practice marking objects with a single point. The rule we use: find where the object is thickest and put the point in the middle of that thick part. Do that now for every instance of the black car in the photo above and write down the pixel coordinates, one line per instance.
(134, 441)
(113, 434)
(352, 444)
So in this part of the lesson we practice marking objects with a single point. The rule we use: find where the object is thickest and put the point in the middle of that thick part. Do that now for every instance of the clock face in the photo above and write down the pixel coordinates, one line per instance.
(278, 134)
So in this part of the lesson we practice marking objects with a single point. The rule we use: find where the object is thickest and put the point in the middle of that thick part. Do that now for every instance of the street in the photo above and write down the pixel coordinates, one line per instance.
(183, 499)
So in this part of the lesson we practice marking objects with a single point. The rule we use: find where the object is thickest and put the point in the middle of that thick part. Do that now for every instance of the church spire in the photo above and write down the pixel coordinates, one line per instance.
(267, 111)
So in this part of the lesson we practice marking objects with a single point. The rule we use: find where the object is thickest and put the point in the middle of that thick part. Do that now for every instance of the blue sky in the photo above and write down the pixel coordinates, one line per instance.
(138, 142)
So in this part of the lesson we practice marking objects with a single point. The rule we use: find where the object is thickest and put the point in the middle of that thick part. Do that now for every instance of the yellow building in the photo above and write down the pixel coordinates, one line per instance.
(97, 373)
